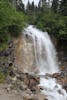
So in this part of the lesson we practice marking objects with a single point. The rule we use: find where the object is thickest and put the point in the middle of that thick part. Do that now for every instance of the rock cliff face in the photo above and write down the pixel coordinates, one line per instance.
(17, 60)
(24, 58)
(7, 59)
(24, 54)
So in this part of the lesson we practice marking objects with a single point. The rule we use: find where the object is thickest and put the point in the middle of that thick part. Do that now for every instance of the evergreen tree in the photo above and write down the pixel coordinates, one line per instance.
(20, 5)
(63, 7)
(43, 5)
(55, 5)
(30, 8)
(13, 2)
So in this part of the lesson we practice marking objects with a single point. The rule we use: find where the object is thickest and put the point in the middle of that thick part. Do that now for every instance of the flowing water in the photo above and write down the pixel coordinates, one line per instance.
(46, 62)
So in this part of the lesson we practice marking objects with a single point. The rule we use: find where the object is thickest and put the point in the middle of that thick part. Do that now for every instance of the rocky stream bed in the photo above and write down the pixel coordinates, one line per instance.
(23, 86)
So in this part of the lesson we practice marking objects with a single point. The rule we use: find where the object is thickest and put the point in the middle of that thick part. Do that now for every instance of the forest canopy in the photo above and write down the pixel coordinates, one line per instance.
(11, 21)
(13, 17)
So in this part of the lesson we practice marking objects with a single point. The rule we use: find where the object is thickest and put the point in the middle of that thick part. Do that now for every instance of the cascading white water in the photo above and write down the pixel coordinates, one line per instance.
(46, 62)
(52, 89)
(45, 54)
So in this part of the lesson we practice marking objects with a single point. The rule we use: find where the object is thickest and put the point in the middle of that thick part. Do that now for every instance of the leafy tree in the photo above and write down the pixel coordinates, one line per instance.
(10, 17)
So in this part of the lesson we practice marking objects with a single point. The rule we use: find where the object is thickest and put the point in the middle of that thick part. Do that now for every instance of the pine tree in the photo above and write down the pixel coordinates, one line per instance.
(30, 8)
(55, 5)
(13, 2)
(20, 5)
(63, 7)
(43, 5)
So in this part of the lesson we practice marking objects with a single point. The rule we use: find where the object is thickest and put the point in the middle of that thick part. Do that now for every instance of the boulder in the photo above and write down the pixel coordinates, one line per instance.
(30, 80)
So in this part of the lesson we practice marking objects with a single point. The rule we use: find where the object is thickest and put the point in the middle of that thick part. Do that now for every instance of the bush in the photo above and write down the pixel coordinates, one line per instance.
(53, 24)
(14, 30)
(11, 21)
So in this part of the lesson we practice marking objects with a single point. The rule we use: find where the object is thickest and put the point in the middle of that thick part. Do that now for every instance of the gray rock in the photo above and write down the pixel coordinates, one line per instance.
(65, 86)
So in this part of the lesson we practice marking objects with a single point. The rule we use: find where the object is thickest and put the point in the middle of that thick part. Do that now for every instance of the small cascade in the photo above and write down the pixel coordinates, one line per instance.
(46, 62)
(52, 89)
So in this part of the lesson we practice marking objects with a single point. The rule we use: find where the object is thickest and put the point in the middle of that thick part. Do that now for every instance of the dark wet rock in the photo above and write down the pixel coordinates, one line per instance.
(8, 52)
(60, 92)
(33, 89)
(31, 81)
(11, 73)
(56, 75)
(65, 86)
(64, 73)
(61, 75)
(10, 62)
(40, 87)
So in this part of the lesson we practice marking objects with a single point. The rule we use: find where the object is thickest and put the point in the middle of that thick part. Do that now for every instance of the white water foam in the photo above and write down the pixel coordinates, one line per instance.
(45, 54)
(46, 62)
(52, 89)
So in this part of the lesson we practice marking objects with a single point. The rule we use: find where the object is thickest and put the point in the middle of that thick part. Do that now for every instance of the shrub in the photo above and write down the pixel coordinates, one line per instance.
(53, 23)
(11, 21)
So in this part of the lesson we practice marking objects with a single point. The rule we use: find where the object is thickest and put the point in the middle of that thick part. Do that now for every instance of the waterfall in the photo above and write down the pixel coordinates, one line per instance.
(45, 54)
(46, 62)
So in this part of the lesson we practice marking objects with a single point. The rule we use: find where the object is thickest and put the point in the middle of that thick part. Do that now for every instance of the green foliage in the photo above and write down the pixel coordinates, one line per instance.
(63, 7)
(50, 19)
(12, 21)
(9, 18)
(2, 77)
(55, 5)
(53, 24)
(3, 46)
